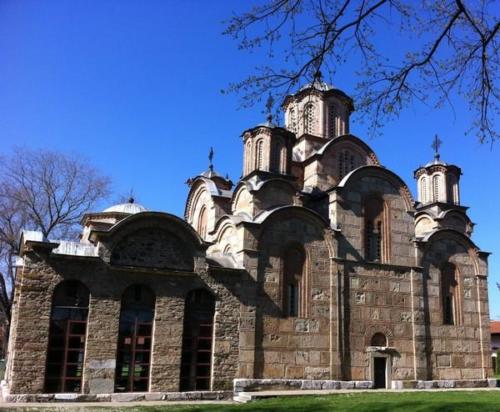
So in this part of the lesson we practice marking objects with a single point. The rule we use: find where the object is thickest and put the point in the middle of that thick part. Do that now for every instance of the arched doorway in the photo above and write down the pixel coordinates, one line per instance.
(68, 327)
(196, 361)
(133, 361)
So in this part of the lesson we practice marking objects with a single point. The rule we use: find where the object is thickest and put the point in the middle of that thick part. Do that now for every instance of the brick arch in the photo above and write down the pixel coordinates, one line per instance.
(459, 238)
(152, 240)
(371, 330)
(383, 174)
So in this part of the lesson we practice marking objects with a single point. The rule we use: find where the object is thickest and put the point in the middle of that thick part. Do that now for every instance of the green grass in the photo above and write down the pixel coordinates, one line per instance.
(455, 401)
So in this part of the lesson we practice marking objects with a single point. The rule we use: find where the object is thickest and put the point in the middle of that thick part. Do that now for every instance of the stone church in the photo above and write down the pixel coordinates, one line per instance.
(318, 269)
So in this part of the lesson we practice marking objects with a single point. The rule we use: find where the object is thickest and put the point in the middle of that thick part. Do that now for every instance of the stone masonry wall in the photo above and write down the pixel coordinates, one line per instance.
(458, 351)
(294, 347)
(42, 273)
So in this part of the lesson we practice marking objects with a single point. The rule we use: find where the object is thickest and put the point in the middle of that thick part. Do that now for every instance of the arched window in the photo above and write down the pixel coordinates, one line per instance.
(346, 163)
(378, 339)
(294, 283)
(283, 159)
(309, 119)
(452, 195)
(451, 298)
(275, 163)
(133, 361)
(292, 120)
(68, 327)
(197, 336)
(248, 157)
(260, 155)
(376, 239)
(423, 189)
(332, 122)
(202, 222)
(435, 188)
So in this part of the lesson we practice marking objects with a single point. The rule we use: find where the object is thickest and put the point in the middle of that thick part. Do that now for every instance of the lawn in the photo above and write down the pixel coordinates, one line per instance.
(483, 401)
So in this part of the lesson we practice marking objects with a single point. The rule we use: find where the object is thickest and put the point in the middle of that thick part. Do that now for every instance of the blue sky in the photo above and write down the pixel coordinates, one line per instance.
(134, 86)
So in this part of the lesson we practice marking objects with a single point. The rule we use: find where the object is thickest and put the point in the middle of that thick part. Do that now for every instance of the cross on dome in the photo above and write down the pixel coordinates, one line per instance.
(436, 144)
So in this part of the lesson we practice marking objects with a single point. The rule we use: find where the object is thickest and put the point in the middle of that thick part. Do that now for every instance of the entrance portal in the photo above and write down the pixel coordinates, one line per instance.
(379, 372)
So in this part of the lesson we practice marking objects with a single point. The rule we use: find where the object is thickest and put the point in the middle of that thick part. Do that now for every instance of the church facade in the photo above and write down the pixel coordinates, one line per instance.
(317, 266)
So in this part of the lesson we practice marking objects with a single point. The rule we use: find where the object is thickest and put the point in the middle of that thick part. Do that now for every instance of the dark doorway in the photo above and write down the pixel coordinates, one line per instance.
(379, 369)
(196, 361)
(134, 340)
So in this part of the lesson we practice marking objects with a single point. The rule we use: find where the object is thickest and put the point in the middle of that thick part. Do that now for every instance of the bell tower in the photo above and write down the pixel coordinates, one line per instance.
(438, 182)
(319, 110)
(438, 191)
(267, 149)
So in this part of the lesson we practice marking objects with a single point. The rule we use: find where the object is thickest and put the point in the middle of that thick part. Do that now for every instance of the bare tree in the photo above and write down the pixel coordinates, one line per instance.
(44, 191)
(456, 51)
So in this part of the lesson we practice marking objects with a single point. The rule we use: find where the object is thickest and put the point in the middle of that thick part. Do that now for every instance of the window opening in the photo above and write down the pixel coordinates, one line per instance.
(196, 359)
(67, 332)
(133, 362)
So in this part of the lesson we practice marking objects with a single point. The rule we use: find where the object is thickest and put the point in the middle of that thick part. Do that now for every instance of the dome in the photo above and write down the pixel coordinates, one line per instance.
(130, 207)
(435, 162)
(318, 85)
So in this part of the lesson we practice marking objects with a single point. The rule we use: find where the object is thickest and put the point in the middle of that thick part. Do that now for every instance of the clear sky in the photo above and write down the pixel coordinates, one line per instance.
(134, 86)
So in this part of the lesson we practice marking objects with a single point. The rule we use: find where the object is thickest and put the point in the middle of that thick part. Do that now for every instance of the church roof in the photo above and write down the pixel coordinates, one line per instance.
(211, 173)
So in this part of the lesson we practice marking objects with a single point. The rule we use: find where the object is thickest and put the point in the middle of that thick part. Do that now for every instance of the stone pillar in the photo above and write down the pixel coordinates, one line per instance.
(101, 345)
(30, 341)
(225, 344)
(167, 344)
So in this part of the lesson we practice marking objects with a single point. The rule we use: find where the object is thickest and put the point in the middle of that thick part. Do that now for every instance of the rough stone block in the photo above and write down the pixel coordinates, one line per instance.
(346, 384)
(127, 397)
(363, 384)
(312, 384)
(101, 385)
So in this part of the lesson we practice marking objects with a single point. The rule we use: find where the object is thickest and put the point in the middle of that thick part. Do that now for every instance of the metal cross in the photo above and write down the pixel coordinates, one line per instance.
(436, 145)
(211, 158)
(269, 107)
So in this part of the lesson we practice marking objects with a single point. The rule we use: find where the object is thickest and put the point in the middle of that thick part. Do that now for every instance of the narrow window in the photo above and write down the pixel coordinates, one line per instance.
(452, 195)
(260, 155)
(196, 359)
(248, 157)
(133, 361)
(292, 119)
(67, 332)
(435, 188)
(309, 119)
(283, 159)
(450, 291)
(275, 164)
(346, 163)
(332, 122)
(202, 222)
(375, 227)
(294, 283)
(423, 189)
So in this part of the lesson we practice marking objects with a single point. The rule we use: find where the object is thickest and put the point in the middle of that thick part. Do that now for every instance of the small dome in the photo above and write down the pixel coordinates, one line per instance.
(435, 162)
(130, 207)
(210, 173)
(318, 85)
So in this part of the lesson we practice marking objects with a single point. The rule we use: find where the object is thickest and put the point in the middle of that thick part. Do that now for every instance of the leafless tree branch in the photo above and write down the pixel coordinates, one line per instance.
(458, 52)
